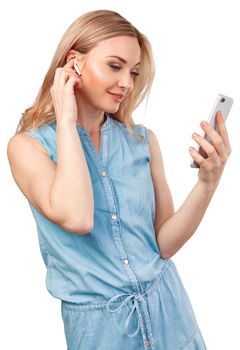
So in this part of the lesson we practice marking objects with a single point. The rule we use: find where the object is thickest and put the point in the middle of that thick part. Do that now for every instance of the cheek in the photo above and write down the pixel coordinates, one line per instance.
(97, 78)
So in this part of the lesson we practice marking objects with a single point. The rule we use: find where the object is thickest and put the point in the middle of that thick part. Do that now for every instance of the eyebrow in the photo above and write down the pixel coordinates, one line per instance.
(123, 60)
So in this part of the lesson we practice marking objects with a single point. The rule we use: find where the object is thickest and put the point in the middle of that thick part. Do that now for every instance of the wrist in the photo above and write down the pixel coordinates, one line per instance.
(206, 187)
(66, 123)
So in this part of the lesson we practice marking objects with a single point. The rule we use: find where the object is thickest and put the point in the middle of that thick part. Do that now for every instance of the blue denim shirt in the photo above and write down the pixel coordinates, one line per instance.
(120, 253)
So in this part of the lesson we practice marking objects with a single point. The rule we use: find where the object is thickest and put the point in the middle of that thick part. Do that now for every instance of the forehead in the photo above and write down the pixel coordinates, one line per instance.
(123, 46)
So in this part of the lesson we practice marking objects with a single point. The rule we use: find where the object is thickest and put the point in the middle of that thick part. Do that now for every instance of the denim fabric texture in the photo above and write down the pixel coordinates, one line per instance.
(116, 290)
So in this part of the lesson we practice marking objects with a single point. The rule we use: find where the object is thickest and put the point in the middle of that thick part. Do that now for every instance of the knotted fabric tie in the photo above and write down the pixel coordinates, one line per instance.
(133, 297)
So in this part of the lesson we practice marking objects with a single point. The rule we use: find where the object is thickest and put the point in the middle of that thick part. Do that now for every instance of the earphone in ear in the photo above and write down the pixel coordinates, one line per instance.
(76, 67)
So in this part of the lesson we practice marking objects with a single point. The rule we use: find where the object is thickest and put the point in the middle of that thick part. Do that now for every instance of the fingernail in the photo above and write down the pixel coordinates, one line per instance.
(204, 123)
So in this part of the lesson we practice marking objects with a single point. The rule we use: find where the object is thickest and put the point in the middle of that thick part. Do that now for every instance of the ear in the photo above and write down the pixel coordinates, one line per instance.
(71, 54)
(74, 53)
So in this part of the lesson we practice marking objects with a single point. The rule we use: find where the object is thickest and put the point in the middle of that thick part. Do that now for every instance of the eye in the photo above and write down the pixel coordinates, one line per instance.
(135, 73)
(114, 67)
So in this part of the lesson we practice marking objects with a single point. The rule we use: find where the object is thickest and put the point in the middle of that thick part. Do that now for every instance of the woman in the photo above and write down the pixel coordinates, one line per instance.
(96, 186)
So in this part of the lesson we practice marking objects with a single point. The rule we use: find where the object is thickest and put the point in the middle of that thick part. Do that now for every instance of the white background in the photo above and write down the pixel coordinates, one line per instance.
(196, 50)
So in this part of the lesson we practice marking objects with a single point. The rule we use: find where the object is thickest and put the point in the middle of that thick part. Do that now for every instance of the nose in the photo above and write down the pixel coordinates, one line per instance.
(126, 82)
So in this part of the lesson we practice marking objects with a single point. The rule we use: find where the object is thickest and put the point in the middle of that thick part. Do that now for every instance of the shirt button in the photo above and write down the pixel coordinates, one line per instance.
(104, 173)
(125, 261)
(114, 217)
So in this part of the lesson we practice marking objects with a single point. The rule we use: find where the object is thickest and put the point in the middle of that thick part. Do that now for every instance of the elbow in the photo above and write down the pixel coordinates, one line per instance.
(79, 228)
(166, 256)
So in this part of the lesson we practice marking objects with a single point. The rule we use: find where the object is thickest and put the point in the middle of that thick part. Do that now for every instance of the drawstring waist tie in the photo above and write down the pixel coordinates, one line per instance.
(135, 298)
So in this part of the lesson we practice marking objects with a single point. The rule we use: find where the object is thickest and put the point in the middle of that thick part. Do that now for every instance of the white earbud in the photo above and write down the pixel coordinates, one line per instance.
(76, 67)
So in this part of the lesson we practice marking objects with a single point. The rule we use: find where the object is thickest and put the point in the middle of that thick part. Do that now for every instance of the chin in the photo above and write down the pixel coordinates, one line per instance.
(111, 109)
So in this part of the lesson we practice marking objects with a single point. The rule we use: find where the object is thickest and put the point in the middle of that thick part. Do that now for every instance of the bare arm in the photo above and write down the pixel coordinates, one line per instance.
(177, 230)
(164, 207)
(71, 193)
(172, 228)
(179, 227)
(63, 192)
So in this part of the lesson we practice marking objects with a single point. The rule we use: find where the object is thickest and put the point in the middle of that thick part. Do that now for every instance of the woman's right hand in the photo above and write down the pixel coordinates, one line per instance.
(62, 91)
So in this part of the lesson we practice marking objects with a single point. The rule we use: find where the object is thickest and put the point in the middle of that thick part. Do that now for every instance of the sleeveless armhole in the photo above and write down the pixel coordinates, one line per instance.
(147, 141)
(38, 140)
(46, 136)
(144, 131)
(147, 134)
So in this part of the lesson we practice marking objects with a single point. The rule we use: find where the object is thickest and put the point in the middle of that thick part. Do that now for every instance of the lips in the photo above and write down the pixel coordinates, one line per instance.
(116, 95)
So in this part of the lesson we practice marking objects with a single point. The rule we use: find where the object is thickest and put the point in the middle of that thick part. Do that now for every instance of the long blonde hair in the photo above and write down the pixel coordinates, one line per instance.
(82, 35)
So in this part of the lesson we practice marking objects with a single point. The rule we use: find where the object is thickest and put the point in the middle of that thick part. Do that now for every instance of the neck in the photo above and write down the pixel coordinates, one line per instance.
(89, 118)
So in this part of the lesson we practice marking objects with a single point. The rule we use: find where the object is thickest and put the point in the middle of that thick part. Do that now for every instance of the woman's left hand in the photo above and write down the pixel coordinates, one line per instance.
(217, 152)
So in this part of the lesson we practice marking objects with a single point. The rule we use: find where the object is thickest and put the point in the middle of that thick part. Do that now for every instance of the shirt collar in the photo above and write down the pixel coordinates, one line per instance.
(105, 126)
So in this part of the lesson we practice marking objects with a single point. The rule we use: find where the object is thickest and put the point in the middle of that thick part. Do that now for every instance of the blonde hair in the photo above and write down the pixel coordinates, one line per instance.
(83, 35)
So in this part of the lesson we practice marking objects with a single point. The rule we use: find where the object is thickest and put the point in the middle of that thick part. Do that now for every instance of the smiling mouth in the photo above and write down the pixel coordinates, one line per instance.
(117, 97)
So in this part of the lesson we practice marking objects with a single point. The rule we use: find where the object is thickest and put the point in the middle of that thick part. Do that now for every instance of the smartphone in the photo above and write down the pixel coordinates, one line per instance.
(223, 104)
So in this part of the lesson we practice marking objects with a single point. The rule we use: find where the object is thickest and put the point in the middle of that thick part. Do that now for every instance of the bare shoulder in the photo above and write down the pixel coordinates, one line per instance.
(154, 147)
(22, 142)
(32, 169)
(156, 164)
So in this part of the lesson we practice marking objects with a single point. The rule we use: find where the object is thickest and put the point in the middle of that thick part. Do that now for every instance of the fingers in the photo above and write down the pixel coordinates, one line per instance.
(72, 81)
(214, 137)
(207, 147)
(218, 148)
(69, 64)
(63, 75)
(196, 156)
(221, 129)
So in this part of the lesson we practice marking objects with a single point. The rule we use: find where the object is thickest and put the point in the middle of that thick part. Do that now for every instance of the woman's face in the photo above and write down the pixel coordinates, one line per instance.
(110, 68)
